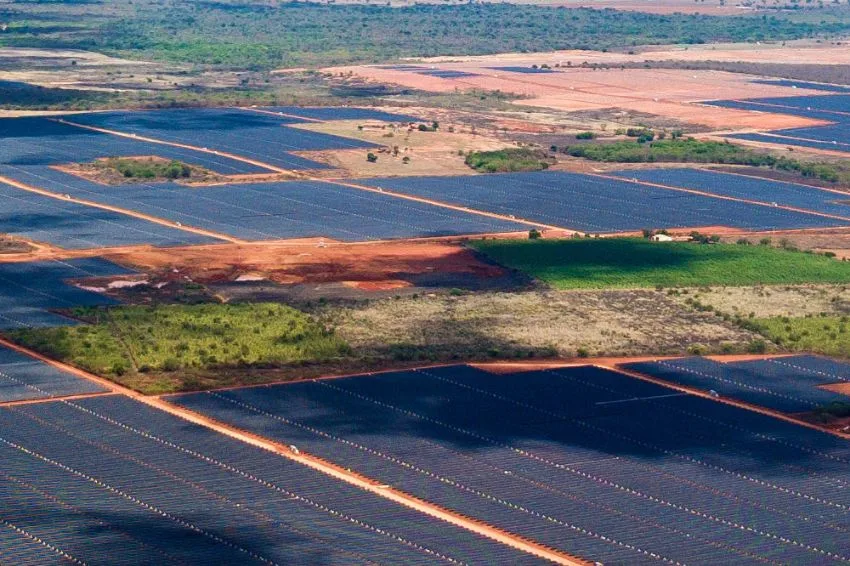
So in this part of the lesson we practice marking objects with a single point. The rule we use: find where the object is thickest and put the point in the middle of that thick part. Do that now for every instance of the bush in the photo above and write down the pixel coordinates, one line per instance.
(508, 160)
(534, 234)
(371, 157)
(585, 136)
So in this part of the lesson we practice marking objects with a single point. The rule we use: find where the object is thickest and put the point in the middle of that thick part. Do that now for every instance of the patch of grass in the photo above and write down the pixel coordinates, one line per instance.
(827, 334)
(508, 160)
(633, 263)
(141, 339)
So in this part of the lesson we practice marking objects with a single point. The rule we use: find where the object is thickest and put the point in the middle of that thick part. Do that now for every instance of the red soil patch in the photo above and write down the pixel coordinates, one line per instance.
(383, 265)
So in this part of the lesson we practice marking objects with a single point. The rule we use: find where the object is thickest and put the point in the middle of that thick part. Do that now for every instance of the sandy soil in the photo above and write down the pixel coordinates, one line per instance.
(674, 94)
(429, 153)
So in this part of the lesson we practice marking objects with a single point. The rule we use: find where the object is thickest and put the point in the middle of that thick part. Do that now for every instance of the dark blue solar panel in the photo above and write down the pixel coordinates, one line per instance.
(804, 84)
(759, 383)
(778, 139)
(251, 135)
(588, 461)
(738, 186)
(445, 73)
(342, 113)
(595, 204)
(525, 70)
(112, 481)
(28, 291)
(22, 377)
(264, 211)
(75, 226)
(830, 371)
(776, 107)
(42, 141)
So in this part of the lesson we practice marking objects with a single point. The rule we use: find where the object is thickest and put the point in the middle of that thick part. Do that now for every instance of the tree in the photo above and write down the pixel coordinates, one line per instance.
(371, 157)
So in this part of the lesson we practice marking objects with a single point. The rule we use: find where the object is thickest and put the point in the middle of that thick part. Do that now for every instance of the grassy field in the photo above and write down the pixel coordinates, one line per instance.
(634, 263)
(138, 339)
(827, 334)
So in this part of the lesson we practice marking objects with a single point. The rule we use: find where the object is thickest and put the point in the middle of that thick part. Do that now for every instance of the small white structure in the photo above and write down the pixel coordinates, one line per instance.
(661, 238)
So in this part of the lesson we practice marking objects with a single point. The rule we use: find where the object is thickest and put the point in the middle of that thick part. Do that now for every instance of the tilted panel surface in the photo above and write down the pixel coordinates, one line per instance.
(111, 481)
(588, 461)
(23, 378)
(29, 291)
(595, 204)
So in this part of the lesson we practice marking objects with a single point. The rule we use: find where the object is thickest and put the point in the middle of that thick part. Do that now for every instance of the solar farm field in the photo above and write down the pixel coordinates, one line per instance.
(111, 481)
(341, 113)
(28, 291)
(831, 371)
(251, 135)
(803, 84)
(738, 186)
(595, 204)
(585, 460)
(23, 378)
(264, 211)
(763, 383)
(524, 70)
(75, 226)
(42, 141)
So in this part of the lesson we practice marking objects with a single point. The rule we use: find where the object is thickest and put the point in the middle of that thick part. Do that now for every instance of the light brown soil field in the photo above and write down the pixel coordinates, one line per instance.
(674, 93)
(429, 153)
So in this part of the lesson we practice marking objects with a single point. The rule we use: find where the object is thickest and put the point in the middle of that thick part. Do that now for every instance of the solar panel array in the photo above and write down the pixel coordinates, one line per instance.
(596, 204)
(251, 135)
(524, 70)
(739, 186)
(29, 291)
(761, 383)
(262, 211)
(832, 371)
(833, 108)
(24, 378)
(76, 226)
(588, 461)
(342, 113)
(111, 481)
(42, 141)
(804, 84)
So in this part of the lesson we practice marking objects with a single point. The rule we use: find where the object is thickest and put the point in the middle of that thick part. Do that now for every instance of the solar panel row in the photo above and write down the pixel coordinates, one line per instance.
(524, 70)
(265, 211)
(110, 481)
(739, 186)
(342, 113)
(761, 383)
(42, 141)
(76, 226)
(596, 204)
(588, 461)
(29, 291)
(24, 378)
(251, 135)
(804, 84)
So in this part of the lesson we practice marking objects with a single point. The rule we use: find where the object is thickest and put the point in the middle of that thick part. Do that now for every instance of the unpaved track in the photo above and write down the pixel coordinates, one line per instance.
(320, 465)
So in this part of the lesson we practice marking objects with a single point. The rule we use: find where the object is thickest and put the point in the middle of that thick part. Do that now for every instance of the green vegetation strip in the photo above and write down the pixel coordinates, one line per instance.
(601, 263)
(825, 334)
(695, 151)
(143, 339)
(508, 160)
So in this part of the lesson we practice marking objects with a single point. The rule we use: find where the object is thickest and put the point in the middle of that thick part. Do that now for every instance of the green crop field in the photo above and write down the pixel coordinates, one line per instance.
(140, 339)
(635, 262)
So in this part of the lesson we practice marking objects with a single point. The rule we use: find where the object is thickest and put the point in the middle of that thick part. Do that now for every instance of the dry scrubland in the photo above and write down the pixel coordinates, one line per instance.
(536, 323)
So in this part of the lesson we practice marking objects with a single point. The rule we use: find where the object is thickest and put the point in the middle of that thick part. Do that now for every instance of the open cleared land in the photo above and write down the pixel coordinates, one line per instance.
(632, 262)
